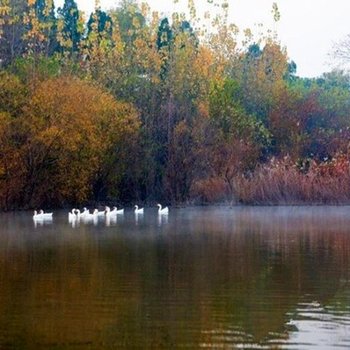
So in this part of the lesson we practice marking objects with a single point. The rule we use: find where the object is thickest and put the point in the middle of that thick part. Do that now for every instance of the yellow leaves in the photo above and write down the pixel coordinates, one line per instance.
(155, 19)
(36, 33)
(5, 9)
(145, 9)
(48, 7)
(192, 9)
(66, 133)
(81, 22)
(136, 23)
(275, 12)
(248, 35)
(12, 93)
(204, 62)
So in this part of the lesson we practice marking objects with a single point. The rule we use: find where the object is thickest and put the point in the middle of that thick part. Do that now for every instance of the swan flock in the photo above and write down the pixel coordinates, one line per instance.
(85, 214)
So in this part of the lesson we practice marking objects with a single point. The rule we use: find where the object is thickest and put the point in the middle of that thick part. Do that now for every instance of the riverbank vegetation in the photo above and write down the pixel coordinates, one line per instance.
(128, 105)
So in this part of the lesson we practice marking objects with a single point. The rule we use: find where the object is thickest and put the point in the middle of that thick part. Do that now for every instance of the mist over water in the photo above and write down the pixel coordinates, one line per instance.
(274, 278)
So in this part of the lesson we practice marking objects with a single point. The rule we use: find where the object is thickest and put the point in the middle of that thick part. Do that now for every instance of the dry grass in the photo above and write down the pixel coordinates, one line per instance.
(283, 182)
(210, 190)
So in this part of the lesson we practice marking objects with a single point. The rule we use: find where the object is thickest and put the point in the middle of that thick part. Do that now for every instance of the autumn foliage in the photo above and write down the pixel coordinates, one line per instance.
(127, 105)
(59, 146)
(284, 182)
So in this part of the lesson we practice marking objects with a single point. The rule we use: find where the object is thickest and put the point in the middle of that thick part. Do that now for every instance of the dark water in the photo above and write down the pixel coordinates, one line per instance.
(256, 278)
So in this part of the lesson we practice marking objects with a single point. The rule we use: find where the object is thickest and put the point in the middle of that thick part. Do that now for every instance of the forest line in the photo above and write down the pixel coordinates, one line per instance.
(130, 106)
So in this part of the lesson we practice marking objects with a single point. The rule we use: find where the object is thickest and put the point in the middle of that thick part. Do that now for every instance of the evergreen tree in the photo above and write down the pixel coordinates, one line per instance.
(164, 35)
(103, 22)
(45, 12)
(164, 42)
(70, 35)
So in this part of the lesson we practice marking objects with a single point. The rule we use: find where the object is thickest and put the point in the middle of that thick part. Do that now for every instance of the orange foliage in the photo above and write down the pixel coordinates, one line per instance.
(66, 133)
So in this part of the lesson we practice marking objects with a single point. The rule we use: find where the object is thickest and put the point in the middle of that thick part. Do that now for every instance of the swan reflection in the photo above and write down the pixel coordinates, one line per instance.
(42, 222)
(138, 216)
(111, 220)
(163, 219)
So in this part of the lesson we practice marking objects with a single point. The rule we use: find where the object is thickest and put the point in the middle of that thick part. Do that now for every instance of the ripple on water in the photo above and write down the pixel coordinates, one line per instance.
(318, 327)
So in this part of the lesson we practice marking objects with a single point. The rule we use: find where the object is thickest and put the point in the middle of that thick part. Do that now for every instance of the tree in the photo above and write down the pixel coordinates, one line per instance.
(164, 35)
(341, 51)
(45, 10)
(130, 20)
(69, 27)
(164, 43)
(261, 74)
(12, 30)
(67, 136)
(101, 21)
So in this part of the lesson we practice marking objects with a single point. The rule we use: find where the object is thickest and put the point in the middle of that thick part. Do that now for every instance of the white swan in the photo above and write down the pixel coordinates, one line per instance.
(163, 211)
(120, 211)
(42, 215)
(110, 212)
(37, 216)
(114, 212)
(46, 215)
(84, 213)
(100, 213)
(137, 210)
(72, 215)
(88, 216)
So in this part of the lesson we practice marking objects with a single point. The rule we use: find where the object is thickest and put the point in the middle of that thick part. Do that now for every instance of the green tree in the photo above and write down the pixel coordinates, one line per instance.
(130, 20)
(45, 10)
(102, 21)
(69, 27)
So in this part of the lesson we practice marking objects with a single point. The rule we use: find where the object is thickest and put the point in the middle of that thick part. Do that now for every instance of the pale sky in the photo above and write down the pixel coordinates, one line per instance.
(308, 28)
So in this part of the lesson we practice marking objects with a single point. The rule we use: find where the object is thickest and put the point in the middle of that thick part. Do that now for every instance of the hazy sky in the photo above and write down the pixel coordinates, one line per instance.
(308, 28)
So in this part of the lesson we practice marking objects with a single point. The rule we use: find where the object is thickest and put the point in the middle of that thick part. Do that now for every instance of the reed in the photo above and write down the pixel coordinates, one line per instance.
(282, 181)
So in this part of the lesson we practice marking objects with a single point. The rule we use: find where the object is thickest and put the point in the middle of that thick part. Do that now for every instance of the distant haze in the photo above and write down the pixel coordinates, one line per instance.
(308, 28)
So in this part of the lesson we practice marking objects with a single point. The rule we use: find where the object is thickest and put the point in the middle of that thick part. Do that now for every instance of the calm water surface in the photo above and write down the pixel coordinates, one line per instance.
(256, 278)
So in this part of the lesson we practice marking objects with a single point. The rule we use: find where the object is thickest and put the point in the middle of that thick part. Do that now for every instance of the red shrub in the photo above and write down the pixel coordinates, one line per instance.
(284, 182)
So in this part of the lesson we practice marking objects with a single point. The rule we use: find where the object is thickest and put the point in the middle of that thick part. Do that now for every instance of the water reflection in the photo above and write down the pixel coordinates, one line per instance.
(163, 219)
(216, 277)
(42, 222)
(111, 221)
(138, 217)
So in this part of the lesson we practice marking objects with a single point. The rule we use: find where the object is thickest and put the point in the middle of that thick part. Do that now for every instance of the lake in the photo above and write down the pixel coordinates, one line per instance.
(215, 277)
